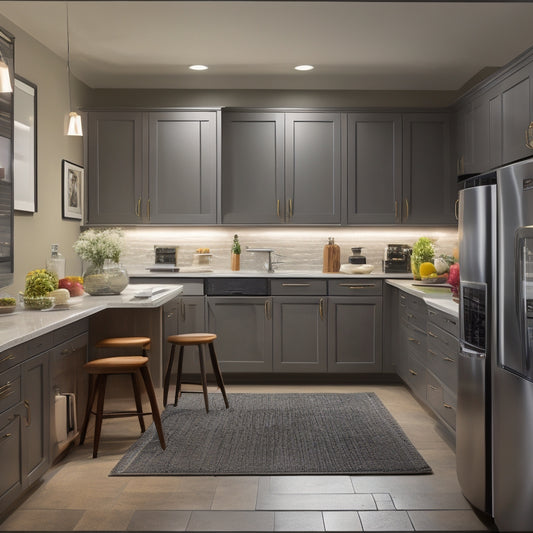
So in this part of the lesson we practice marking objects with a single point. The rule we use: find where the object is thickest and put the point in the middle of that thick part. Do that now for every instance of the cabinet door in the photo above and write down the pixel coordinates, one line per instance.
(355, 334)
(252, 168)
(12, 477)
(36, 422)
(191, 319)
(480, 135)
(374, 168)
(300, 334)
(114, 169)
(183, 167)
(517, 112)
(243, 326)
(313, 168)
(428, 186)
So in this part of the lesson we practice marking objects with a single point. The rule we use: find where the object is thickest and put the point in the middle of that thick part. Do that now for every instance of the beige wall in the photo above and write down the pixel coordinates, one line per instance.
(34, 233)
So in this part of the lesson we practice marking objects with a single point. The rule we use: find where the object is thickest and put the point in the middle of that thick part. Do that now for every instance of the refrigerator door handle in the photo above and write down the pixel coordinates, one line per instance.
(521, 289)
(468, 352)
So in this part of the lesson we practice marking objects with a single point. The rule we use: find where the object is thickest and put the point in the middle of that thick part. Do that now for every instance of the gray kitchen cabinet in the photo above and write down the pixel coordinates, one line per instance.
(281, 168)
(191, 319)
(116, 192)
(243, 325)
(429, 189)
(300, 333)
(480, 160)
(313, 168)
(182, 173)
(355, 334)
(252, 168)
(374, 168)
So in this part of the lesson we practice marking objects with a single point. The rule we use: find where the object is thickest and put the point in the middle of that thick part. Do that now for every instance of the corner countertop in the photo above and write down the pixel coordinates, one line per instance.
(190, 272)
(438, 298)
(24, 325)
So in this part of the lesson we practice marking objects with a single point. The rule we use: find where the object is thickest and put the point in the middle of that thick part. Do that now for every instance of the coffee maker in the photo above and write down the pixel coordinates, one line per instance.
(397, 259)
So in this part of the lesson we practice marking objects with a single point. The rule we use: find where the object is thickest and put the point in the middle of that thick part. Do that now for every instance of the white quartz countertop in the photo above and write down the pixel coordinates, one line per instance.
(189, 272)
(436, 297)
(24, 325)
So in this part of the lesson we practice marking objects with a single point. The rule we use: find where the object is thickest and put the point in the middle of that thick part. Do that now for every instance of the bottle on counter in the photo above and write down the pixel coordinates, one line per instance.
(56, 262)
(332, 256)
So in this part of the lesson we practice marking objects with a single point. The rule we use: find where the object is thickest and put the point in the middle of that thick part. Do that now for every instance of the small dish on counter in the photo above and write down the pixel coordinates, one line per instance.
(348, 268)
(6, 309)
(38, 303)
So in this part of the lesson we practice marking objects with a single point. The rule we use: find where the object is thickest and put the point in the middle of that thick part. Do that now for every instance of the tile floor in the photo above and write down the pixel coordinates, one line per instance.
(78, 495)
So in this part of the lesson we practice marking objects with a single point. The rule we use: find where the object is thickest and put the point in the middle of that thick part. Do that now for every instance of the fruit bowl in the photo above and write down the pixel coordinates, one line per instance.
(442, 278)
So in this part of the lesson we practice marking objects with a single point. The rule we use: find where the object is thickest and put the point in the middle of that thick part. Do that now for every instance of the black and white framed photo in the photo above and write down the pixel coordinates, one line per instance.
(73, 176)
(25, 146)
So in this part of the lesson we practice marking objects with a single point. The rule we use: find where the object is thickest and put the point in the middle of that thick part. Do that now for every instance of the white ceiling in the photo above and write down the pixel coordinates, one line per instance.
(255, 45)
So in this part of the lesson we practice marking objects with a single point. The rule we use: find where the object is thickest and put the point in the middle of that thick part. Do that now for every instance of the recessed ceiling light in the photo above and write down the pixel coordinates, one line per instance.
(304, 67)
(198, 67)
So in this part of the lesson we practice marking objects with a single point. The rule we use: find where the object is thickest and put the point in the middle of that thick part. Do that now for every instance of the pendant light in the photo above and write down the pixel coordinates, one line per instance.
(5, 77)
(74, 121)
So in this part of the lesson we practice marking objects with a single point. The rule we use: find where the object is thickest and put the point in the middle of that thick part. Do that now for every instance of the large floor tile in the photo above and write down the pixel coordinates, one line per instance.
(298, 521)
(465, 520)
(423, 501)
(313, 502)
(383, 502)
(159, 521)
(308, 484)
(104, 521)
(385, 521)
(231, 521)
(42, 520)
(236, 493)
(342, 521)
(165, 501)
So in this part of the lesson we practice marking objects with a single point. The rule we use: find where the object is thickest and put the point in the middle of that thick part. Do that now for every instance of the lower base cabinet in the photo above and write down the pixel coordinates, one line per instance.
(355, 334)
(243, 325)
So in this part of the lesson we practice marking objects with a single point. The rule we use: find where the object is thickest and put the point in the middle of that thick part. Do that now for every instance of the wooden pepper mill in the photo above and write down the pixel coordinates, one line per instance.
(332, 256)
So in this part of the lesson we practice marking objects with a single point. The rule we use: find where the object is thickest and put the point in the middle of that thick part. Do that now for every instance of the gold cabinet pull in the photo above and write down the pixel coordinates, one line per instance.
(321, 308)
(529, 136)
(431, 334)
(7, 358)
(6, 436)
(432, 352)
(413, 372)
(277, 208)
(290, 207)
(138, 207)
(296, 285)
(148, 208)
(406, 208)
(447, 406)
(449, 359)
(362, 286)
(412, 339)
(456, 209)
(268, 309)
(432, 387)
(28, 412)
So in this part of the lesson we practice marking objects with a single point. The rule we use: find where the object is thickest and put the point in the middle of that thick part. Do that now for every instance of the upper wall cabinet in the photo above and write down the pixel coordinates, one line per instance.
(428, 193)
(158, 167)
(281, 168)
(374, 168)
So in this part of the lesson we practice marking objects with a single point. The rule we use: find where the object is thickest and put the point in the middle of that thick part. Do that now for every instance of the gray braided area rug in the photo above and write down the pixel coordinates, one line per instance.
(269, 434)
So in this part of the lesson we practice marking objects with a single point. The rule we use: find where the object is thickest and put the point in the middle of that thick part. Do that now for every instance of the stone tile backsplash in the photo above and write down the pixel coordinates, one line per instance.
(295, 248)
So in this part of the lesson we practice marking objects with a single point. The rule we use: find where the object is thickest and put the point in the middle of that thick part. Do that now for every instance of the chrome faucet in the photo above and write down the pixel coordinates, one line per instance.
(268, 251)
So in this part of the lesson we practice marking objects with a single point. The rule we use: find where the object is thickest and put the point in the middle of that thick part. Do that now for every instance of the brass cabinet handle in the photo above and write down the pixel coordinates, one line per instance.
(431, 334)
(6, 436)
(432, 313)
(363, 286)
(410, 315)
(7, 358)
(413, 372)
(268, 309)
(290, 207)
(28, 412)
(412, 339)
(170, 315)
(321, 308)
(5, 386)
(148, 208)
(449, 359)
(296, 285)
(432, 387)
(138, 207)
(432, 352)
(277, 208)
(529, 136)
(406, 208)
(447, 406)
(456, 209)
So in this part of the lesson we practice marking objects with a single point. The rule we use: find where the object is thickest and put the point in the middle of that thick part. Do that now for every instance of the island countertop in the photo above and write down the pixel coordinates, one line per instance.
(24, 325)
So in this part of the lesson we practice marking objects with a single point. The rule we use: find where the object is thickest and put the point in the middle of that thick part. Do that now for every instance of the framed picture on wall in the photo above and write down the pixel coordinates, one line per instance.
(25, 146)
(72, 189)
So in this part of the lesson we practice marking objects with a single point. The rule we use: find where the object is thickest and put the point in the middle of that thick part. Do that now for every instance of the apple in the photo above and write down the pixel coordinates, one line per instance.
(453, 278)
(74, 287)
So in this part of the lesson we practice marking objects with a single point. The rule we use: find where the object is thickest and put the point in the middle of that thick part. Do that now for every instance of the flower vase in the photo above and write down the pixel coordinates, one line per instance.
(235, 261)
(111, 278)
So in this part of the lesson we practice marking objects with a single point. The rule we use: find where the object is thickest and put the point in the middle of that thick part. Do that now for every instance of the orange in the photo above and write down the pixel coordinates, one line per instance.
(426, 269)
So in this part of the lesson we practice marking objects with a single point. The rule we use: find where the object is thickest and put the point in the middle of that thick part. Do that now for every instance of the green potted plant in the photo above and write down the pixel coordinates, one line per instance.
(102, 249)
(423, 251)
(236, 253)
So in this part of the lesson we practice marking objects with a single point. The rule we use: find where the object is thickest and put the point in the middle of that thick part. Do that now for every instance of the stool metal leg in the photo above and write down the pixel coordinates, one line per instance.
(145, 373)
(90, 402)
(167, 375)
(138, 402)
(204, 377)
(218, 374)
(178, 377)
(100, 386)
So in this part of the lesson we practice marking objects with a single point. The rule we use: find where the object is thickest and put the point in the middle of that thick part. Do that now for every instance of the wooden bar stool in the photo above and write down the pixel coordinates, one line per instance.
(99, 370)
(113, 343)
(191, 339)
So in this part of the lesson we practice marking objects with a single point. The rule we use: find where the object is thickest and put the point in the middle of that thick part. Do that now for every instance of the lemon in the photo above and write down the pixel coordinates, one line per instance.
(426, 269)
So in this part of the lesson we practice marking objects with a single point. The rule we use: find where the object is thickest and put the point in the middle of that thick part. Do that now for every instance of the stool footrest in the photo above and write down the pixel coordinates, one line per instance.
(121, 414)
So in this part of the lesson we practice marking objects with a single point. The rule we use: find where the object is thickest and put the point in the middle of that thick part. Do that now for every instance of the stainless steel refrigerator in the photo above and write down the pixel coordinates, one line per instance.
(495, 391)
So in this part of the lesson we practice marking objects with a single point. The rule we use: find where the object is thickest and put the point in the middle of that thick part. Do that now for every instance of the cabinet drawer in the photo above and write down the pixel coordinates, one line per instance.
(441, 340)
(10, 455)
(72, 330)
(413, 311)
(10, 388)
(12, 356)
(39, 344)
(416, 376)
(298, 286)
(415, 340)
(68, 348)
(442, 401)
(447, 322)
(355, 287)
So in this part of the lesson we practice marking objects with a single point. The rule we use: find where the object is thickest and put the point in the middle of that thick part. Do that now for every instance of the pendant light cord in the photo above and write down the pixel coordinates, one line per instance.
(68, 65)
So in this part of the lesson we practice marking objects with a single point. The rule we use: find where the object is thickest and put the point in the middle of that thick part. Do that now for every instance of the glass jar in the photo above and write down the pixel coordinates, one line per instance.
(111, 278)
